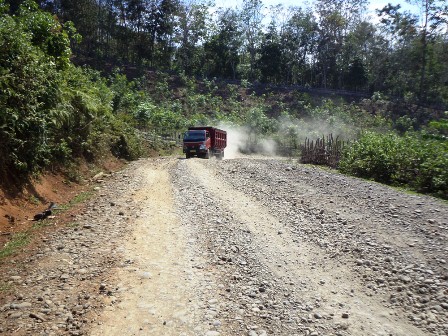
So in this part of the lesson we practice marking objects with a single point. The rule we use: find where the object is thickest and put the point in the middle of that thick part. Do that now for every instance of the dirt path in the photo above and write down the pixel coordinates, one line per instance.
(159, 288)
(237, 247)
(304, 263)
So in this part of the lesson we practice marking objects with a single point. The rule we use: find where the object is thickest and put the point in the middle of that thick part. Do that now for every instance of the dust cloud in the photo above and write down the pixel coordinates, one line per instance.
(298, 130)
(242, 142)
(235, 139)
(291, 133)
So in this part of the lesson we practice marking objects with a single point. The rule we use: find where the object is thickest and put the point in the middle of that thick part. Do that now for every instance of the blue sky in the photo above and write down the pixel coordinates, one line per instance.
(374, 4)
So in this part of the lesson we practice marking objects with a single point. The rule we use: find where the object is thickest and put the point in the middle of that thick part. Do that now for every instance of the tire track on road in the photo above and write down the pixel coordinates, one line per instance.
(312, 275)
(158, 293)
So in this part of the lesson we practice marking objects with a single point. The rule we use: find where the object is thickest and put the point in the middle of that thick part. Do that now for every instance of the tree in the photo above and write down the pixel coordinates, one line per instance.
(164, 23)
(29, 89)
(270, 60)
(336, 18)
(221, 48)
(399, 32)
(251, 26)
(362, 52)
(415, 70)
(192, 30)
(299, 41)
(356, 74)
(47, 33)
(83, 13)
(434, 15)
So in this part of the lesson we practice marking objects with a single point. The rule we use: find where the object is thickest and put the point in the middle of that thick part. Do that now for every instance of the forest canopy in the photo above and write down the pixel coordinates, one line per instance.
(335, 44)
(86, 78)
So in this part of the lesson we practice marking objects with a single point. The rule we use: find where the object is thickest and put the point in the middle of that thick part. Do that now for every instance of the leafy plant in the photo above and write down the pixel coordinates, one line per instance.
(28, 83)
(408, 160)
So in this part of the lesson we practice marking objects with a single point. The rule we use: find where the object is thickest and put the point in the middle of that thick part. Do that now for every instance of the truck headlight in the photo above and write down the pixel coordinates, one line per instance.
(202, 147)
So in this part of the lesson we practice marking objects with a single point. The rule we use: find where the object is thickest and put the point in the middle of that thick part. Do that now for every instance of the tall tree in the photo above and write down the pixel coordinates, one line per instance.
(336, 18)
(191, 32)
(434, 16)
(164, 26)
(270, 61)
(222, 47)
(359, 44)
(83, 13)
(251, 24)
(299, 41)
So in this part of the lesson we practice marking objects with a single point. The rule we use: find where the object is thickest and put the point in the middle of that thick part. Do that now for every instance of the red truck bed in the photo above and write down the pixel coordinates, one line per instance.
(217, 136)
(214, 145)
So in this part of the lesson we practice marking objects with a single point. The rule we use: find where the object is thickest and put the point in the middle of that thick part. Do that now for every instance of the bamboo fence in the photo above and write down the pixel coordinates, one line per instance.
(324, 151)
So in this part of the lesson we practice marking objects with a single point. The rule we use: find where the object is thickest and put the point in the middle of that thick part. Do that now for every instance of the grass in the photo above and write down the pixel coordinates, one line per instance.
(80, 198)
(407, 190)
(5, 287)
(73, 224)
(72, 174)
(17, 241)
(41, 223)
(33, 199)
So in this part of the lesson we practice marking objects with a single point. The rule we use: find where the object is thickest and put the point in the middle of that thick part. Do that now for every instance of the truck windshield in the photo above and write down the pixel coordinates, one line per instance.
(194, 136)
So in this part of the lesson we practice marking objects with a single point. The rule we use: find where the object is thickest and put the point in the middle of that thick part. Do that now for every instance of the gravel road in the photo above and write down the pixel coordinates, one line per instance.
(246, 246)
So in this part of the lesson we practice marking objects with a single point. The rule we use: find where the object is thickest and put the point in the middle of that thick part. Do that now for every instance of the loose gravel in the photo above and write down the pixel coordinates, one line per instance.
(64, 281)
(393, 244)
(273, 248)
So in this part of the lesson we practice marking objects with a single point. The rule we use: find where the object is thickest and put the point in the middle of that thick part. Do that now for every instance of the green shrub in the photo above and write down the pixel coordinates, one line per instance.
(29, 92)
(408, 160)
(432, 176)
(51, 111)
(47, 33)
(125, 141)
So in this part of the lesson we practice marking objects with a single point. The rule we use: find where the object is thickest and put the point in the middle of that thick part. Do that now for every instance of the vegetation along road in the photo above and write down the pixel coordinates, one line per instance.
(237, 247)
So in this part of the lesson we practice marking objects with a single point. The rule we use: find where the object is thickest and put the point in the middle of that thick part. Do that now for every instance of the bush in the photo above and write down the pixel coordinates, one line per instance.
(408, 160)
(50, 110)
(29, 92)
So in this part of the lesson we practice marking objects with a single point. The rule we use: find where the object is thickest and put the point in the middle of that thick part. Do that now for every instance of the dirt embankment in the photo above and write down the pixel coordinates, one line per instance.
(236, 247)
(19, 205)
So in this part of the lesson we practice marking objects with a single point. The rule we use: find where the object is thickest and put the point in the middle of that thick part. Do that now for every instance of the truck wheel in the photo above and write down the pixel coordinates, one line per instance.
(187, 155)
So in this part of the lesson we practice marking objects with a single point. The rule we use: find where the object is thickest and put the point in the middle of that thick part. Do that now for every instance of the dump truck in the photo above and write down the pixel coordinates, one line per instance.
(204, 142)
